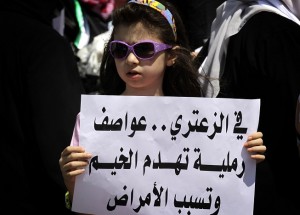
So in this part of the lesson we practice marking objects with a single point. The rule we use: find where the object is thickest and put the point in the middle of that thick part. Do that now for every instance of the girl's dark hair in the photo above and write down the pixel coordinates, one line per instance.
(181, 79)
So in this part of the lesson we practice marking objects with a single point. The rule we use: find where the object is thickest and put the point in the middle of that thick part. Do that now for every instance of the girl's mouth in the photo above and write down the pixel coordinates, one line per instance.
(133, 74)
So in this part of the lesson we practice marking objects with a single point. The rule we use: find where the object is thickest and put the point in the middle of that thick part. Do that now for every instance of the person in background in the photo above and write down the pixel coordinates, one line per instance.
(298, 122)
(86, 25)
(147, 55)
(40, 91)
(84, 20)
(254, 53)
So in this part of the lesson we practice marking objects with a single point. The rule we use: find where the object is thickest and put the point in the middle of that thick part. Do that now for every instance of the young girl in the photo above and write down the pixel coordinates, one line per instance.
(147, 55)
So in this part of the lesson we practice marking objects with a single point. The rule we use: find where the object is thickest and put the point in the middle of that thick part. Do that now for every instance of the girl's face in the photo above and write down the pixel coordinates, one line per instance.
(142, 77)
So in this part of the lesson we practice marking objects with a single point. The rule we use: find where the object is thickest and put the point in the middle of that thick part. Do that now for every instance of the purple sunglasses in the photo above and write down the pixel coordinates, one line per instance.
(143, 50)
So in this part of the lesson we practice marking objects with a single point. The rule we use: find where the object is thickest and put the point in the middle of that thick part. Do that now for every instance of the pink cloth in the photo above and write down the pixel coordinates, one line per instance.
(104, 8)
(75, 136)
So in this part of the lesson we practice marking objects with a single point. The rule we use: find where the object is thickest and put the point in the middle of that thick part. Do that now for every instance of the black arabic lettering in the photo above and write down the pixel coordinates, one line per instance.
(177, 166)
(198, 128)
(237, 129)
(177, 126)
(137, 126)
(217, 129)
(122, 201)
(157, 201)
(143, 202)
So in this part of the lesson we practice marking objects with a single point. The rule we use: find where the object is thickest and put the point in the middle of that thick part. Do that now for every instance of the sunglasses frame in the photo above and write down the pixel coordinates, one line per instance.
(158, 47)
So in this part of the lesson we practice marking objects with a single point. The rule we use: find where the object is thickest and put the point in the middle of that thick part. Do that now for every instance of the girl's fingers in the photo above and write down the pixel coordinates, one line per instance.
(76, 157)
(74, 173)
(73, 153)
(73, 169)
(75, 165)
(253, 143)
(71, 149)
(255, 135)
(257, 149)
(255, 146)
(258, 157)
(257, 153)
(73, 161)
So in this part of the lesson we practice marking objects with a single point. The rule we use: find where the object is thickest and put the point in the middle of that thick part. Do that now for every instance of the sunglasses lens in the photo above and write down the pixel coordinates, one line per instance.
(144, 50)
(118, 50)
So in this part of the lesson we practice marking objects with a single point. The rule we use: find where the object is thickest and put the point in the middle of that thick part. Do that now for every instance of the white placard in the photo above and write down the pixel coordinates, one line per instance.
(166, 155)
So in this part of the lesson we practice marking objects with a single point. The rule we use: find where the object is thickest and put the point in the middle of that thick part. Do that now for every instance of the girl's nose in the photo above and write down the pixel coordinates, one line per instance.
(132, 59)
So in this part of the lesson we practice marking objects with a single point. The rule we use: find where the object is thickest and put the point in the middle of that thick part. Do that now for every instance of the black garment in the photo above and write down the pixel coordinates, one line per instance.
(40, 92)
(197, 16)
(263, 61)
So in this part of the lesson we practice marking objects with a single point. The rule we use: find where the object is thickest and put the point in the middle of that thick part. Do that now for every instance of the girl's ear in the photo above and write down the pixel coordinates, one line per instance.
(171, 58)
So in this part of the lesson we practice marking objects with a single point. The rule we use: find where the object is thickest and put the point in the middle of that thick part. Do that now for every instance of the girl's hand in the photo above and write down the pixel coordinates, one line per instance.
(72, 162)
(255, 146)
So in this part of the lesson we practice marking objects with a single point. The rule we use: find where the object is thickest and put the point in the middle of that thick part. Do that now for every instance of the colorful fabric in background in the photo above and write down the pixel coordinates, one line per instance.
(83, 35)
(160, 8)
(102, 7)
(85, 21)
